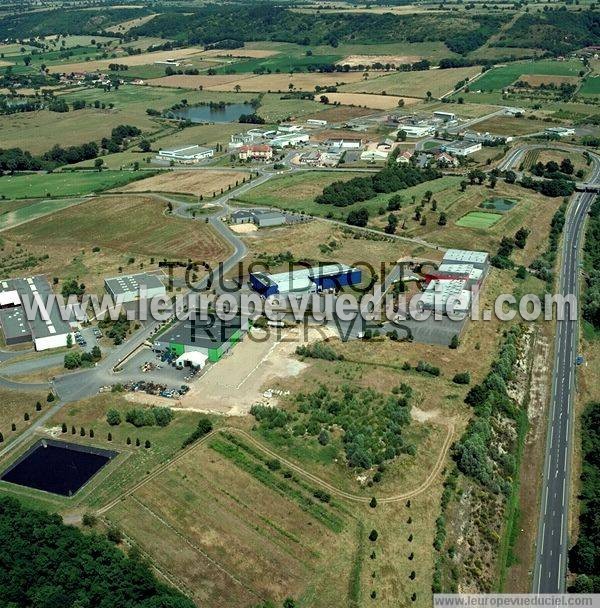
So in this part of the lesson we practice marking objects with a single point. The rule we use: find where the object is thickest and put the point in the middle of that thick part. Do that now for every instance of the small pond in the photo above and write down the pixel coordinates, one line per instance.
(207, 113)
(57, 466)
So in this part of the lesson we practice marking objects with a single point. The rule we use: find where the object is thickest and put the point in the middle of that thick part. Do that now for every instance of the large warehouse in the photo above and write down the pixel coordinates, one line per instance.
(47, 329)
(211, 337)
(129, 287)
(305, 280)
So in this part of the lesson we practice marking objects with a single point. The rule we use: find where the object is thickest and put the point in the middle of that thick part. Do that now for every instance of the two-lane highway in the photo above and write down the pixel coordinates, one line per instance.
(553, 538)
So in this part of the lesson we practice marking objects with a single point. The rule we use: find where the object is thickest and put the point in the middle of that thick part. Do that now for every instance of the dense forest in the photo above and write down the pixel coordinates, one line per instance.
(267, 22)
(591, 252)
(44, 23)
(45, 564)
(557, 31)
(584, 557)
(391, 179)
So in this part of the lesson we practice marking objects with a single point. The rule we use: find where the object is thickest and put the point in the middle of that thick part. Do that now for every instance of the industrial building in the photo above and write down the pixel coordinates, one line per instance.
(186, 154)
(131, 287)
(316, 122)
(211, 337)
(479, 259)
(305, 280)
(462, 148)
(47, 329)
(415, 131)
(462, 272)
(289, 140)
(260, 217)
(441, 295)
(345, 143)
(445, 116)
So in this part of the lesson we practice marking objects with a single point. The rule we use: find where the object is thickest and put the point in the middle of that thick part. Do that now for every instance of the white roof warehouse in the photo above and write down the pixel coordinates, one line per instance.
(186, 154)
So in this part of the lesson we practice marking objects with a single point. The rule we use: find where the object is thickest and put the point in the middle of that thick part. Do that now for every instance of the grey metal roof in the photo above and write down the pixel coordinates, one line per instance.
(132, 283)
(36, 290)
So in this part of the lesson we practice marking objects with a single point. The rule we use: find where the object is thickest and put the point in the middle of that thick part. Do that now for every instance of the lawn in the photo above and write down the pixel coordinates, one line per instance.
(71, 183)
(500, 77)
(478, 219)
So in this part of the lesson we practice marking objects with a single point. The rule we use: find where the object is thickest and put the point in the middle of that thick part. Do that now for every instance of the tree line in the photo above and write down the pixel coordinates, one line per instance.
(591, 260)
(584, 557)
(16, 159)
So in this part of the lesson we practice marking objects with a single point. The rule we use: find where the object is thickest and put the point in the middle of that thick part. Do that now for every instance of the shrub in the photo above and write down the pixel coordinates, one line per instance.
(373, 535)
(113, 417)
(462, 378)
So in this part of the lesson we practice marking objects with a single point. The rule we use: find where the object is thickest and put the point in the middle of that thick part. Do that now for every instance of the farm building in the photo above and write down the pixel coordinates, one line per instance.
(186, 154)
(255, 152)
(305, 280)
(132, 287)
(47, 329)
(211, 337)
(462, 148)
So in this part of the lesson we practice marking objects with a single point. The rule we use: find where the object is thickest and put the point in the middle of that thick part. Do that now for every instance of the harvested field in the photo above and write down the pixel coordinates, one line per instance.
(504, 125)
(250, 53)
(218, 82)
(122, 228)
(356, 60)
(413, 84)
(377, 102)
(130, 60)
(536, 80)
(263, 83)
(201, 182)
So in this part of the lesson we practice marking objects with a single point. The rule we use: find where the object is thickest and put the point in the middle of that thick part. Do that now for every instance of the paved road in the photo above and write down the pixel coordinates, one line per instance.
(553, 538)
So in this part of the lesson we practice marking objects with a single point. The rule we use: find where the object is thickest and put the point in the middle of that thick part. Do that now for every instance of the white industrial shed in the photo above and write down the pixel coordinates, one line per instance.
(132, 287)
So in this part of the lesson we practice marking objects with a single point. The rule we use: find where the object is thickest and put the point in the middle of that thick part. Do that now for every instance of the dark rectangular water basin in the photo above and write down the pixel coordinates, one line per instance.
(57, 467)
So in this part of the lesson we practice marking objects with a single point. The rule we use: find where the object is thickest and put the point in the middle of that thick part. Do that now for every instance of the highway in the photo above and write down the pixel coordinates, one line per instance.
(553, 528)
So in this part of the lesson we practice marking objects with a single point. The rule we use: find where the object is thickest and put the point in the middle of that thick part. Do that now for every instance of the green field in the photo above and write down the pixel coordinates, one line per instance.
(297, 193)
(500, 77)
(478, 219)
(39, 185)
(591, 86)
(279, 63)
(15, 212)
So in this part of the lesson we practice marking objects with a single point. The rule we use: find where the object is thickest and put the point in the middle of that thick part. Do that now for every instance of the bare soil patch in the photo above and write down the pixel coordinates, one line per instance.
(535, 80)
(356, 60)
